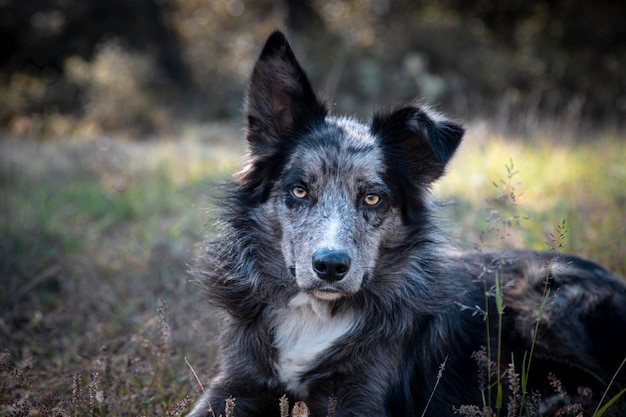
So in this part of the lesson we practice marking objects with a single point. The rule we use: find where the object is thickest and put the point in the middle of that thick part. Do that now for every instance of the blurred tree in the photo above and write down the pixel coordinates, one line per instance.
(573, 50)
(42, 33)
(302, 16)
(515, 61)
(39, 36)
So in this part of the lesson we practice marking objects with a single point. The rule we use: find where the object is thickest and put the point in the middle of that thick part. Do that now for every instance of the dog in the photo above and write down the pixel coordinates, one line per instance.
(335, 287)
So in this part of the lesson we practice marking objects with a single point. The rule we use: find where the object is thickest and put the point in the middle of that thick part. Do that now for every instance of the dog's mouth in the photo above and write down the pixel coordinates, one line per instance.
(326, 292)
(327, 295)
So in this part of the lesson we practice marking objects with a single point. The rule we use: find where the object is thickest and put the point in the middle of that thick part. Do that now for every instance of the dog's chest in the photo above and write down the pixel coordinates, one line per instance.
(303, 330)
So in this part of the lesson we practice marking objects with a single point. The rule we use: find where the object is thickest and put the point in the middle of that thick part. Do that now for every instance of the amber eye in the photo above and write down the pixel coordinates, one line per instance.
(371, 199)
(299, 192)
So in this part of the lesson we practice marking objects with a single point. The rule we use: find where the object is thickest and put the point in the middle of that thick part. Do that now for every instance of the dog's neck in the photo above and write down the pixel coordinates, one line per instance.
(303, 331)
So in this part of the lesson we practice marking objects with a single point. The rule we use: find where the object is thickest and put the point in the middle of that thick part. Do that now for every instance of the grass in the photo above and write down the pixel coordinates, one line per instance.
(581, 182)
(92, 236)
(504, 216)
(97, 314)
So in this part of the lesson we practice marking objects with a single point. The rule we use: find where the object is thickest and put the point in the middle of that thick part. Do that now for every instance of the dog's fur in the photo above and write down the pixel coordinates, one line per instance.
(332, 281)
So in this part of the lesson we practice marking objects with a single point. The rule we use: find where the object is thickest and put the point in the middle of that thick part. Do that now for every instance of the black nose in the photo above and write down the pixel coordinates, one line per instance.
(331, 265)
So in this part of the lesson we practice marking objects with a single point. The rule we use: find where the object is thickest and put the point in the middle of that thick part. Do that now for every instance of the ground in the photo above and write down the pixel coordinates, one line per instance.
(97, 311)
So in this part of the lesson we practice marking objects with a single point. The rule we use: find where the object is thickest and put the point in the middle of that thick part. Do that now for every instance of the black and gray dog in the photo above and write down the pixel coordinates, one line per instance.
(334, 285)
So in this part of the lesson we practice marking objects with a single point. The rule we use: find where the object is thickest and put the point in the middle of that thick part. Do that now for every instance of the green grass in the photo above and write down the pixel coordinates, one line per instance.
(97, 314)
(92, 236)
(583, 183)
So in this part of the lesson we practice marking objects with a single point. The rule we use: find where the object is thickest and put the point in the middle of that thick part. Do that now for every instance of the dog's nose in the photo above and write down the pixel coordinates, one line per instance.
(331, 265)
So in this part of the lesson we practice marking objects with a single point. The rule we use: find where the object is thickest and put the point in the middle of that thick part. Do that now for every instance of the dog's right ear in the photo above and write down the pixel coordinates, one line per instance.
(280, 102)
(418, 138)
(417, 144)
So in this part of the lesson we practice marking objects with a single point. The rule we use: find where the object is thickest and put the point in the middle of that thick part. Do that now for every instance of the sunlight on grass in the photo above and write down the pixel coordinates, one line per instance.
(584, 183)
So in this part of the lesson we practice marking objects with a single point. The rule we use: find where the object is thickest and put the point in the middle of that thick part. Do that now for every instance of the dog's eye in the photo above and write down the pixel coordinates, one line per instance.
(371, 199)
(299, 192)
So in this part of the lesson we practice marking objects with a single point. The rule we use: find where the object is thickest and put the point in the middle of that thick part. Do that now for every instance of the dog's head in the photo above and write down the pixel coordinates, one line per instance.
(341, 192)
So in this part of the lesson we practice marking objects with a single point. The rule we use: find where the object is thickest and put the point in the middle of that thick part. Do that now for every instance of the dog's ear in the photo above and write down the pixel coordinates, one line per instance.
(280, 105)
(417, 144)
(418, 140)
(280, 101)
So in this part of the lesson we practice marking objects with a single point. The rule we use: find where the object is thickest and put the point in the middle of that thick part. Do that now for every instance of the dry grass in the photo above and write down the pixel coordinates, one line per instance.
(97, 314)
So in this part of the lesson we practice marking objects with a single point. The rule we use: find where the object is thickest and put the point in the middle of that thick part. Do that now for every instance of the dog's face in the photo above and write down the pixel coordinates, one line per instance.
(340, 191)
(334, 208)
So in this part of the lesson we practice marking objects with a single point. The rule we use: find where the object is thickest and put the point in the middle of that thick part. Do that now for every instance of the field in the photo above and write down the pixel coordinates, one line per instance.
(98, 315)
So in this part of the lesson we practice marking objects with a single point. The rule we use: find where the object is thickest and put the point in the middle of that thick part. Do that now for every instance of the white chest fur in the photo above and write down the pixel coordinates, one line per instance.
(303, 330)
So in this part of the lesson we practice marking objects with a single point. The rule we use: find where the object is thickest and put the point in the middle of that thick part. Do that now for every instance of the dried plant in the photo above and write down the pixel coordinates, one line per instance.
(300, 409)
(229, 409)
(284, 406)
(513, 380)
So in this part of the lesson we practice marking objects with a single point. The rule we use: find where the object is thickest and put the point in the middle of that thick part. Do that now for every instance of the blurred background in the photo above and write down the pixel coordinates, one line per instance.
(83, 67)
(118, 117)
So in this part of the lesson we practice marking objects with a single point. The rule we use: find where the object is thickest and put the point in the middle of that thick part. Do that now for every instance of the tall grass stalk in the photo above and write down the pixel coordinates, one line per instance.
(502, 213)
(500, 309)
(527, 363)
(488, 332)
(556, 242)
(195, 375)
(600, 411)
(442, 367)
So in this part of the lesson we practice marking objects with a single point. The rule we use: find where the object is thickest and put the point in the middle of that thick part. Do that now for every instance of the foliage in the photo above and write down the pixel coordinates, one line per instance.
(522, 63)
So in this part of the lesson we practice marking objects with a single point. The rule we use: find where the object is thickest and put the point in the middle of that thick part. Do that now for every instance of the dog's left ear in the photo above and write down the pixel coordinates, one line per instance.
(280, 101)
(280, 105)
(417, 141)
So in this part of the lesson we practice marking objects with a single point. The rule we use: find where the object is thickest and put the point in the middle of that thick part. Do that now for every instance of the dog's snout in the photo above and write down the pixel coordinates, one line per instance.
(331, 265)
